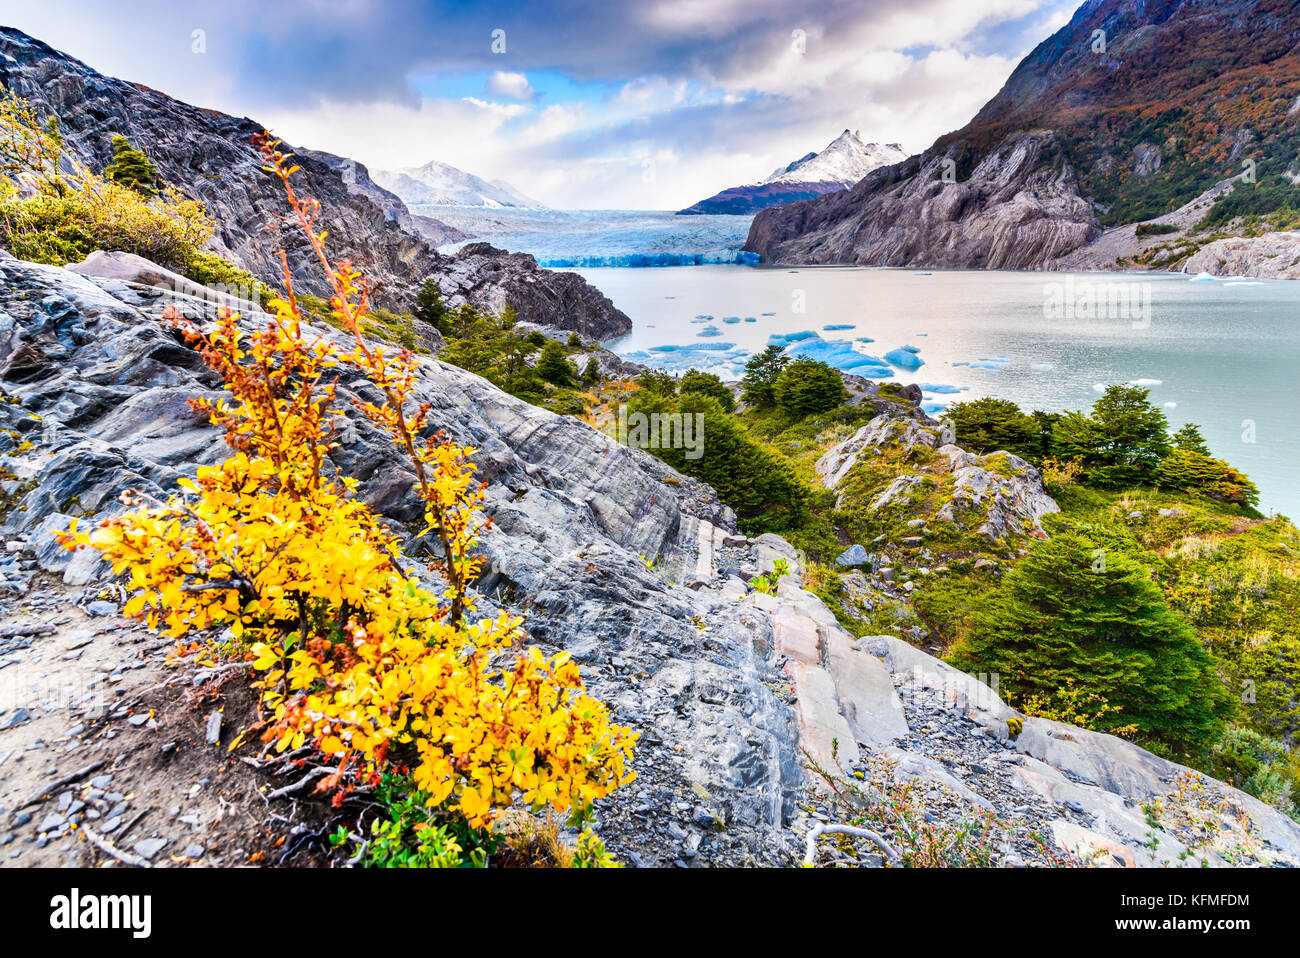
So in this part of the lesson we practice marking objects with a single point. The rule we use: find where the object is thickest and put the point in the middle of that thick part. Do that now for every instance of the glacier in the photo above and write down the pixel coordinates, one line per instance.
(584, 239)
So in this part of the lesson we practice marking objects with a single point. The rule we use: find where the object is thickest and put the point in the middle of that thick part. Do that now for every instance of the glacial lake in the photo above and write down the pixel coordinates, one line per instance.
(1222, 353)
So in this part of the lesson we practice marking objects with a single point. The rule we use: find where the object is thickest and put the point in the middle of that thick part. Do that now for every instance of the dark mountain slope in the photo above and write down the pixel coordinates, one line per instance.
(1145, 105)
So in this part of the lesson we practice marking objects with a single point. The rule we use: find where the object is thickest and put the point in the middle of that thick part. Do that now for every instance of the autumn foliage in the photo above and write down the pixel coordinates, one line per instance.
(352, 655)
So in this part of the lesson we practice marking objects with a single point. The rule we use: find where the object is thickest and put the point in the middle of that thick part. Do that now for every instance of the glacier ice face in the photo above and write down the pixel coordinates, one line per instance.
(580, 239)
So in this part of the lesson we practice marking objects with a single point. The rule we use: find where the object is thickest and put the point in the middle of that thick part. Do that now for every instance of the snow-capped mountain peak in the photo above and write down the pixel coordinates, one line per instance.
(845, 160)
(441, 184)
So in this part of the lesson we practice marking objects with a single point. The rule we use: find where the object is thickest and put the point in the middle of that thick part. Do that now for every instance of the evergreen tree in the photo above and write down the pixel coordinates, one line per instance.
(553, 367)
(760, 377)
(1072, 611)
(656, 382)
(1189, 437)
(132, 168)
(1120, 444)
(989, 425)
(591, 374)
(707, 384)
(806, 387)
(430, 308)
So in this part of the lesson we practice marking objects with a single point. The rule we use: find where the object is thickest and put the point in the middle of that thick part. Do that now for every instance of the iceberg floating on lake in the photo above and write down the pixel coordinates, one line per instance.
(905, 357)
(936, 406)
(1171, 405)
(1146, 382)
(785, 339)
(840, 354)
(709, 331)
(731, 320)
(1041, 367)
(1204, 278)
(863, 339)
(941, 388)
(750, 319)
(838, 326)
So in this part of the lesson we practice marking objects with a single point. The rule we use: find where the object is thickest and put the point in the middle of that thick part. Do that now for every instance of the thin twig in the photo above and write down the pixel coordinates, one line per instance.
(302, 783)
(810, 855)
(108, 848)
(65, 780)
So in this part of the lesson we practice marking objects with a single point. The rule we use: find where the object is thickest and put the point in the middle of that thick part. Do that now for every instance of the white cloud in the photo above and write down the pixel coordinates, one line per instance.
(513, 85)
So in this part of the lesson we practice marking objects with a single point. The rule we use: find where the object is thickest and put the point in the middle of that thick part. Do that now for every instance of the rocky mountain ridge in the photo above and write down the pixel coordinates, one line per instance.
(732, 688)
(1146, 106)
(1019, 208)
(209, 156)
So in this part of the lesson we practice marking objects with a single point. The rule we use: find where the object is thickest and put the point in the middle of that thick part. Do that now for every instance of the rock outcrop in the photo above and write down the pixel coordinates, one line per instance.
(1270, 256)
(490, 278)
(996, 495)
(1020, 208)
(209, 156)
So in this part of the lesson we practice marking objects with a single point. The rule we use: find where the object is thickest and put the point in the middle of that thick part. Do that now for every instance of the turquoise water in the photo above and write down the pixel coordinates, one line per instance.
(1223, 354)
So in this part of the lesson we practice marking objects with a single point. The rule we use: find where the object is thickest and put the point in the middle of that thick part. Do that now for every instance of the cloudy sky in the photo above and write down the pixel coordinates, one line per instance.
(603, 104)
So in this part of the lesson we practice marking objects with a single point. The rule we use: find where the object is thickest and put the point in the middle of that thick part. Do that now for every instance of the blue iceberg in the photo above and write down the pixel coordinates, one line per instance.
(905, 357)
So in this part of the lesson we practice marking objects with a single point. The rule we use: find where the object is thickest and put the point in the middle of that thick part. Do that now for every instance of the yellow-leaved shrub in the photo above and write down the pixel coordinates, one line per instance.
(353, 656)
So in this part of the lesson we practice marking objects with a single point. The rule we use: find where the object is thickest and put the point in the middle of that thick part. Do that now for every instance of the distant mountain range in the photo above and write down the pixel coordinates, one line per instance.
(843, 163)
(1135, 112)
(440, 184)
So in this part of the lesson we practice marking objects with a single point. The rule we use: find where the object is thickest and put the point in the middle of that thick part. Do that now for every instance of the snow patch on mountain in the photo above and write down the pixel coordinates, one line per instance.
(441, 184)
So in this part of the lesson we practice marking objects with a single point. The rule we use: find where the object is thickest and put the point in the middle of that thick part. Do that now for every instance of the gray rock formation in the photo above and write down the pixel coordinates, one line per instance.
(996, 495)
(491, 278)
(1020, 208)
(1271, 256)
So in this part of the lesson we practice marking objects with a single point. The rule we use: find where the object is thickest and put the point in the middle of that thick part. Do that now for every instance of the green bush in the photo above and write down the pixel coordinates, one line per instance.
(753, 480)
(805, 387)
(707, 384)
(1083, 610)
(986, 425)
(657, 383)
